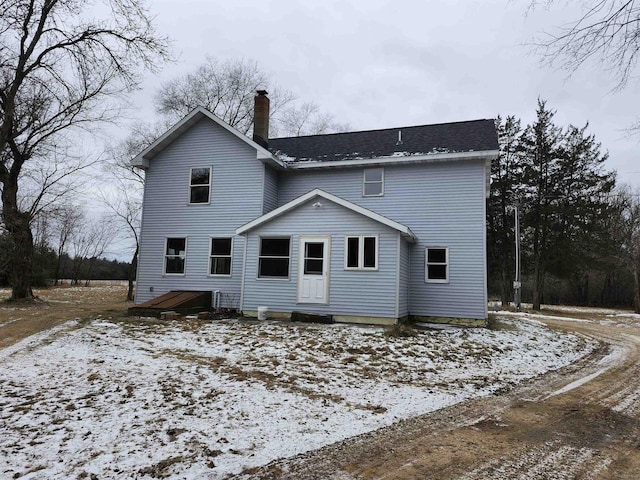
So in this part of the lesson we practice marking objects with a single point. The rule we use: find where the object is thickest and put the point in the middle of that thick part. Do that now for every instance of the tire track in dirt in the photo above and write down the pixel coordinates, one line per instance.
(581, 422)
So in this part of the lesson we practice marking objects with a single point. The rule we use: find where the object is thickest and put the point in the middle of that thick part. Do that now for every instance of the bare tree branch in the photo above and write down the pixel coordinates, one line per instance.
(607, 31)
(60, 71)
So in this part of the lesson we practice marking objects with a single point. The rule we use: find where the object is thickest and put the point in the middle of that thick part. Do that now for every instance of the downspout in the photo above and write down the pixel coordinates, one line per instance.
(244, 269)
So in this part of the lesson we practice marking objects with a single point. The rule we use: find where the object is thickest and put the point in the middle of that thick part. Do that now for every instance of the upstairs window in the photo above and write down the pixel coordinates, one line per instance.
(200, 185)
(437, 264)
(373, 182)
(220, 256)
(361, 252)
(273, 261)
(175, 255)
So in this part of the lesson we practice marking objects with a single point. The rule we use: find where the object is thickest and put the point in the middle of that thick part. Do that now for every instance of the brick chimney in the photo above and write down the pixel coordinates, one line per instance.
(261, 118)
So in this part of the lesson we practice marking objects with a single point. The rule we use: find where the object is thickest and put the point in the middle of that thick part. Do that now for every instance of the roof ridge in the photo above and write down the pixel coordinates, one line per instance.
(385, 129)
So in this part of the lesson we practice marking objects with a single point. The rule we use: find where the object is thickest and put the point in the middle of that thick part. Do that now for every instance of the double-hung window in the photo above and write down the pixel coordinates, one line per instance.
(436, 269)
(273, 261)
(175, 256)
(220, 256)
(361, 252)
(200, 185)
(373, 182)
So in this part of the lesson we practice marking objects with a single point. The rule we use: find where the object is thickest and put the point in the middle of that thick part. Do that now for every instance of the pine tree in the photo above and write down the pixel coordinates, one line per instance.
(541, 165)
(506, 172)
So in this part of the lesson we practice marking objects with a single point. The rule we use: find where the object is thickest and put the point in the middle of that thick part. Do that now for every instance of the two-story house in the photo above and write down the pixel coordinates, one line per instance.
(371, 226)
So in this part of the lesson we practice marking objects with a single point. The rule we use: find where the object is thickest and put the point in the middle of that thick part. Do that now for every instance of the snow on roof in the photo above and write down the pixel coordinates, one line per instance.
(422, 140)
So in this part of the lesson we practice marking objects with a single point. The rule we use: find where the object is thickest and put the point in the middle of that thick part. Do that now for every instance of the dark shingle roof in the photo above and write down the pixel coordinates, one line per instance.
(470, 136)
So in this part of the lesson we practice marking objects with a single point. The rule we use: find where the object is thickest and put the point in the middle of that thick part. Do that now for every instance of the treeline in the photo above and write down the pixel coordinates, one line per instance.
(66, 245)
(579, 230)
(48, 267)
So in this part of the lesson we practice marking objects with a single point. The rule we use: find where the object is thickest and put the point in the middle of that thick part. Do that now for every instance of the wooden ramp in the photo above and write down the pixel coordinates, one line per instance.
(181, 301)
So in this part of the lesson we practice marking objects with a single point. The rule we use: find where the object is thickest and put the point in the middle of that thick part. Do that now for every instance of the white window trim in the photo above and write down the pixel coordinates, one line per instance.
(184, 257)
(426, 264)
(364, 182)
(361, 266)
(230, 274)
(274, 279)
(208, 202)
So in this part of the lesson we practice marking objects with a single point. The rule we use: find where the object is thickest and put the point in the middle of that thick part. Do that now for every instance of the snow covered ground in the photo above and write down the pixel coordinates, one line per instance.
(186, 399)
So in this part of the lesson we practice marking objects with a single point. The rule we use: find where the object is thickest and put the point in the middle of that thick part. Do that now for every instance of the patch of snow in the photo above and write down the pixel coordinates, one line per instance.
(119, 399)
(635, 316)
(437, 326)
(609, 361)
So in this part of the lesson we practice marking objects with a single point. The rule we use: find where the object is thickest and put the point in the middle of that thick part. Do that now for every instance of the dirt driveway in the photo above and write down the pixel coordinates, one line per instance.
(578, 423)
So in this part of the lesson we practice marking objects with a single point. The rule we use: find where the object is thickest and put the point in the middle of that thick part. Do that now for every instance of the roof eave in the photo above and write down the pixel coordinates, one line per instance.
(396, 160)
(403, 229)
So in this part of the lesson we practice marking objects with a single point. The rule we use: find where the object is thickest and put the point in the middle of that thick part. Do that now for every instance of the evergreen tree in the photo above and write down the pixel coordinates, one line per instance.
(540, 176)
(506, 172)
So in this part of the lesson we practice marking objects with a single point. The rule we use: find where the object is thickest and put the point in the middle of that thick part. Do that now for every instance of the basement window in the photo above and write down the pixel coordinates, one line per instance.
(437, 264)
(373, 182)
(273, 261)
(200, 185)
(361, 252)
(175, 256)
(220, 256)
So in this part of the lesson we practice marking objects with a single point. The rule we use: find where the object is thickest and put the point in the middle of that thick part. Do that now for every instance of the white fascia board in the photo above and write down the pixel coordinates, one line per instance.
(381, 161)
(403, 229)
(487, 173)
(142, 159)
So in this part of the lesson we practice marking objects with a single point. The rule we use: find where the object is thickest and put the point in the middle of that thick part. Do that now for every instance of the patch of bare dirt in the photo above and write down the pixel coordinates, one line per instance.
(541, 430)
(57, 305)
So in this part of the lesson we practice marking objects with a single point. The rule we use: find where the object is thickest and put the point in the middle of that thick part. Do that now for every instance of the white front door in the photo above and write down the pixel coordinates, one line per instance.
(313, 270)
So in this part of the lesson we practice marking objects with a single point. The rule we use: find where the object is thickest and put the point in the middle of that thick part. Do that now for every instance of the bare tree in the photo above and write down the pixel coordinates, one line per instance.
(307, 119)
(60, 71)
(90, 242)
(224, 88)
(625, 231)
(67, 219)
(606, 30)
(125, 204)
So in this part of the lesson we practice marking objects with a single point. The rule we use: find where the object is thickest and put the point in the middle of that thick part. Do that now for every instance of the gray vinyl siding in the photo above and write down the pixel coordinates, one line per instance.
(443, 204)
(236, 198)
(361, 293)
(270, 189)
(403, 283)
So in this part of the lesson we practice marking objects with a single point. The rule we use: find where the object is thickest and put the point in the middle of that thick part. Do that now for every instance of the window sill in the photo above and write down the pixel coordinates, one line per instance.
(219, 275)
(173, 274)
(273, 279)
(361, 269)
(436, 281)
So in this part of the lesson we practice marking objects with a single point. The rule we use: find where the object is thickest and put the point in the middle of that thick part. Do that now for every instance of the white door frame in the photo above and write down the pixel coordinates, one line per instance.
(326, 260)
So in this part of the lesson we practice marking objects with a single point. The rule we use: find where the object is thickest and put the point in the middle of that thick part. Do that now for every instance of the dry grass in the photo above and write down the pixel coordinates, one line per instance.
(56, 305)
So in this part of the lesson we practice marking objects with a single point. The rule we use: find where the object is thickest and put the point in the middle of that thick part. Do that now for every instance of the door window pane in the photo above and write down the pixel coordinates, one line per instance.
(313, 266)
(314, 250)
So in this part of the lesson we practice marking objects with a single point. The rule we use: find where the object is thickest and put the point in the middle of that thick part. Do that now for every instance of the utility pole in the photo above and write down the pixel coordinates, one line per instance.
(517, 285)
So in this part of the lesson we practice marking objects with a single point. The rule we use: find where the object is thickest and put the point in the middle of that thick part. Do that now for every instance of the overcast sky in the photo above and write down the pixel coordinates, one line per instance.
(379, 64)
